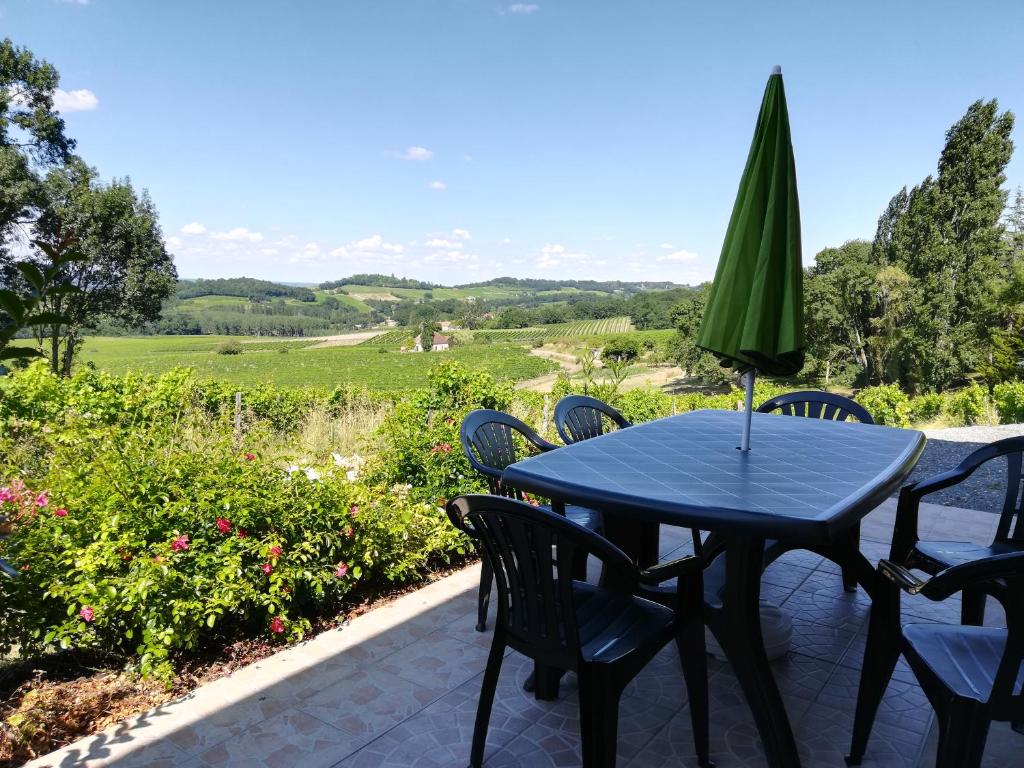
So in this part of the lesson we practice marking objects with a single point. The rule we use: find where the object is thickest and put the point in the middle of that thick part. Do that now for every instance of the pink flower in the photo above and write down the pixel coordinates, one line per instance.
(267, 568)
(180, 543)
(223, 525)
(60, 512)
(275, 551)
(26, 567)
(41, 500)
(87, 613)
(276, 625)
(350, 532)
(354, 510)
(242, 533)
(442, 448)
(6, 494)
(250, 456)
(341, 570)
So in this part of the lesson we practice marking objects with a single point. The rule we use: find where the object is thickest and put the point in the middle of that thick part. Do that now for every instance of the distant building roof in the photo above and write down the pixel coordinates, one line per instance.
(440, 339)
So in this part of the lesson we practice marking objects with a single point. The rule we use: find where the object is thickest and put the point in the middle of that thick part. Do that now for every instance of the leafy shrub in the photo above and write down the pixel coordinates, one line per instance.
(887, 404)
(647, 404)
(153, 541)
(621, 348)
(968, 405)
(1009, 402)
(925, 408)
(231, 347)
(419, 440)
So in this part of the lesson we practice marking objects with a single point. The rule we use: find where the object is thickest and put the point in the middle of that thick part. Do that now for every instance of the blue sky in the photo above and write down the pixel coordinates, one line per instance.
(457, 140)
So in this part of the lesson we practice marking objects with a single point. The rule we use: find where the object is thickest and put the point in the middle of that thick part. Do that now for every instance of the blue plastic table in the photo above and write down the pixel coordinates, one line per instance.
(804, 482)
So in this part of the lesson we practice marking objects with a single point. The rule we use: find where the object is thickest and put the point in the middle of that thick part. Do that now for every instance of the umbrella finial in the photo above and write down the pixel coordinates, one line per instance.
(777, 69)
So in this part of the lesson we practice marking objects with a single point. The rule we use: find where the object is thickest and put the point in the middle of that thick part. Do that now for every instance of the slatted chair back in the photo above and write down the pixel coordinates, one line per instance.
(1011, 520)
(528, 547)
(578, 417)
(817, 405)
(489, 440)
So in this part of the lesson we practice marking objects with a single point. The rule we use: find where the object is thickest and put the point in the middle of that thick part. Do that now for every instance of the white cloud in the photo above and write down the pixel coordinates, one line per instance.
(678, 256)
(521, 9)
(554, 254)
(461, 234)
(413, 153)
(376, 244)
(440, 242)
(195, 228)
(238, 234)
(438, 185)
(173, 243)
(81, 100)
(666, 246)
(75, 2)
(506, 240)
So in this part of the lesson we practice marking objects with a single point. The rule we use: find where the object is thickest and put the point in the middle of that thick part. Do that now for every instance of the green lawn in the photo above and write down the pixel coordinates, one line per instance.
(325, 367)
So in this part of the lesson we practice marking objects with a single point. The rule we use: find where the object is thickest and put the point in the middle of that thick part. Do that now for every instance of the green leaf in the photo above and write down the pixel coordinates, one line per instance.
(32, 274)
(19, 353)
(13, 305)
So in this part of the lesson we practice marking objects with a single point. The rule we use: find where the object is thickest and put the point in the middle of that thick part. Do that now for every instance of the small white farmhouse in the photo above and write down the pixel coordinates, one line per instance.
(440, 343)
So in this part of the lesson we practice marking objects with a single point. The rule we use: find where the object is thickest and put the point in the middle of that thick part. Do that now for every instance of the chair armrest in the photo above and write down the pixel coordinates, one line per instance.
(952, 580)
(7, 570)
(956, 578)
(682, 566)
(901, 577)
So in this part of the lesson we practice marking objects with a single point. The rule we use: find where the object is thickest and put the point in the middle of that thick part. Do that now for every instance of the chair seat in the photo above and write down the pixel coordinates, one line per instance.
(949, 553)
(612, 624)
(588, 518)
(964, 658)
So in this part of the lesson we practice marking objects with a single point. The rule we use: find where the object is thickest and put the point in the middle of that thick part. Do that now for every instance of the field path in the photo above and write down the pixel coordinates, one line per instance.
(338, 340)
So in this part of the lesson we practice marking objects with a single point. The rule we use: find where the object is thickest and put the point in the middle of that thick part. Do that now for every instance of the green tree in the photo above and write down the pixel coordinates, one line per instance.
(839, 302)
(124, 273)
(946, 234)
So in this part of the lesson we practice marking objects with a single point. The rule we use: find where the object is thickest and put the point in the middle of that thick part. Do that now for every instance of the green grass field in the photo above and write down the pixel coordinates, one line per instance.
(326, 367)
(485, 292)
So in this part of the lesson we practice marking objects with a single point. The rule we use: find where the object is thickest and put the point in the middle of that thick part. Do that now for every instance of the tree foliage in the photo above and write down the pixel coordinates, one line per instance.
(124, 273)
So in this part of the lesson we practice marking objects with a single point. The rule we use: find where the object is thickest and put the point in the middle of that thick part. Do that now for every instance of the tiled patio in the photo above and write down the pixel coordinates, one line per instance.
(398, 687)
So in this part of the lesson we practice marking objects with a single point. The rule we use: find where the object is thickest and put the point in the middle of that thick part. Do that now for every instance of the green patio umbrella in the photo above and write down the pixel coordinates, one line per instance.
(754, 320)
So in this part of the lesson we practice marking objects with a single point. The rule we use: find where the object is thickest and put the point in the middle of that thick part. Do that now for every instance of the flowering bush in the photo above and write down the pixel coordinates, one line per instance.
(156, 539)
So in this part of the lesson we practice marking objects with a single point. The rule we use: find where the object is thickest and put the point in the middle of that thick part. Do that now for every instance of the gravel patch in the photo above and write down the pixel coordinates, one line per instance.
(986, 488)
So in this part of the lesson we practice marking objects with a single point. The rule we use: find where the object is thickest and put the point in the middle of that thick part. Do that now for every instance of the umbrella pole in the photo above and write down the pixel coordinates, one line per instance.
(748, 383)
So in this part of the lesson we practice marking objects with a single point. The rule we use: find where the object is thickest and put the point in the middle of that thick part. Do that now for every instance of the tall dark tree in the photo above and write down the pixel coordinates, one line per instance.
(946, 234)
(124, 273)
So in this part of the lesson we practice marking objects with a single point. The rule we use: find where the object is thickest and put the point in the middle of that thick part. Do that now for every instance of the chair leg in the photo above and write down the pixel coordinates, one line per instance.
(484, 598)
(483, 709)
(599, 717)
(880, 656)
(693, 656)
(963, 731)
(972, 609)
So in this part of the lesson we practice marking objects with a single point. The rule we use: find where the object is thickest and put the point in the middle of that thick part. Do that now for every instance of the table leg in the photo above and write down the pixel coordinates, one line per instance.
(637, 538)
(736, 624)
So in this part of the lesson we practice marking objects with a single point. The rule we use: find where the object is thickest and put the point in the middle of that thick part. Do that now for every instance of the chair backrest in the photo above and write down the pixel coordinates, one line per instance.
(488, 439)
(578, 417)
(1011, 519)
(532, 551)
(817, 405)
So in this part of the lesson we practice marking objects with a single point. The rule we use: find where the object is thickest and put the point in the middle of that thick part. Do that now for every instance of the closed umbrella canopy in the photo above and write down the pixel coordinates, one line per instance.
(755, 313)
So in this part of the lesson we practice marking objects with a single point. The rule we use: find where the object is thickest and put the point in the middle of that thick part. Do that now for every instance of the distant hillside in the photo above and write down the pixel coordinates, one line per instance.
(243, 287)
(603, 286)
(379, 281)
